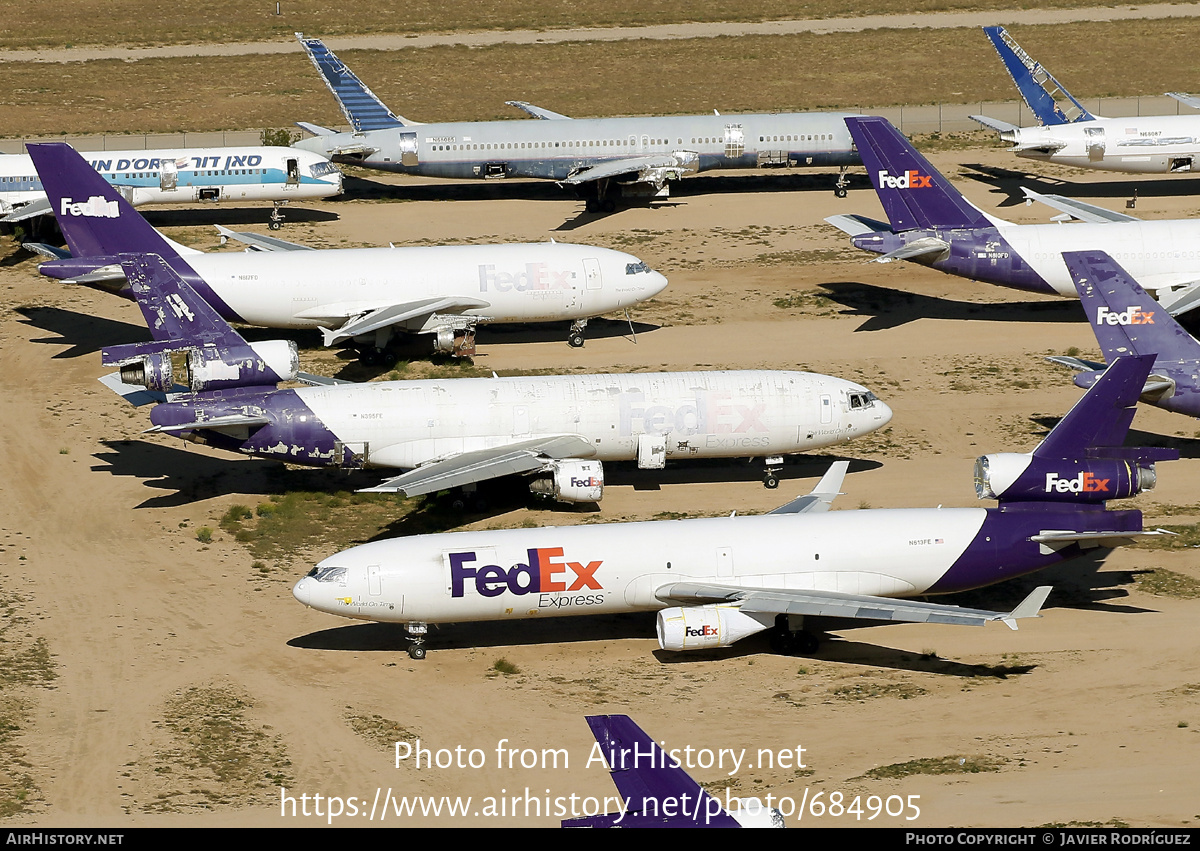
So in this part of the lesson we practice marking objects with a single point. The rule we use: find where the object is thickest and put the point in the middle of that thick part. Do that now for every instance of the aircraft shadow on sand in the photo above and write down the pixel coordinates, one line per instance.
(483, 634)
(889, 308)
(1009, 181)
(84, 333)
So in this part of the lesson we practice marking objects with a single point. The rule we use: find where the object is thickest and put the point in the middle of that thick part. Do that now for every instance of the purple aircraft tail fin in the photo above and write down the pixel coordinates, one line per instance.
(1099, 422)
(1124, 317)
(913, 193)
(93, 216)
(657, 791)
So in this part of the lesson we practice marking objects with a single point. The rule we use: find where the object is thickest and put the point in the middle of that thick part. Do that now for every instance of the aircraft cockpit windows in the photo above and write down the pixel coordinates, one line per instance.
(859, 401)
(329, 574)
(322, 168)
(635, 268)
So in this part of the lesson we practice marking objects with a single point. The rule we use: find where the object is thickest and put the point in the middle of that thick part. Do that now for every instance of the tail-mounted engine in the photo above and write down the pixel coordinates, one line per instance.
(571, 481)
(705, 627)
(162, 366)
(1121, 473)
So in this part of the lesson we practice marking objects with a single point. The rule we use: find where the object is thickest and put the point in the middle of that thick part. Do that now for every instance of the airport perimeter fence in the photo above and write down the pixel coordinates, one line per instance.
(930, 118)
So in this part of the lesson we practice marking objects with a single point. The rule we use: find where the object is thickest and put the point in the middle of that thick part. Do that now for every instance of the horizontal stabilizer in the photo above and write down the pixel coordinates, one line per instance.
(820, 497)
(1180, 301)
(832, 604)
(483, 464)
(995, 124)
(538, 112)
(234, 421)
(856, 225)
(1077, 364)
(315, 129)
(50, 252)
(258, 242)
(1052, 541)
(134, 394)
(320, 380)
(1078, 209)
(1185, 99)
(923, 247)
(40, 207)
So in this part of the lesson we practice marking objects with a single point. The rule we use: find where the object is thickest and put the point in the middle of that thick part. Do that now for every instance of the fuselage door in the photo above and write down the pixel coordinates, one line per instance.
(591, 270)
(293, 171)
(408, 149)
(826, 408)
(1094, 140)
(374, 587)
(168, 175)
(735, 140)
(724, 561)
(652, 451)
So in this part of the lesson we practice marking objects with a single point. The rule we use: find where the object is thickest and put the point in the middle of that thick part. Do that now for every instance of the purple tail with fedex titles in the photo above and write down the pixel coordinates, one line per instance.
(913, 193)
(1127, 320)
(656, 790)
(99, 225)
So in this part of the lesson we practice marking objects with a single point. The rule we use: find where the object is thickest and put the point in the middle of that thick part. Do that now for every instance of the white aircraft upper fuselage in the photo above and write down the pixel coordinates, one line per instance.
(557, 149)
(1154, 144)
(534, 282)
(184, 175)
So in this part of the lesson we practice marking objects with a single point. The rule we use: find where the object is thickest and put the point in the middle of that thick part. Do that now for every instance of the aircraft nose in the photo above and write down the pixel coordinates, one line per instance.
(883, 415)
(656, 284)
(303, 590)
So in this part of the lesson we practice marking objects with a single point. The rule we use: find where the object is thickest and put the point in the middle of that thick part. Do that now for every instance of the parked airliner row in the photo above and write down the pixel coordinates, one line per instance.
(1068, 134)
(931, 223)
(210, 386)
(716, 580)
(356, 296)
(182, 176)
(605, 158)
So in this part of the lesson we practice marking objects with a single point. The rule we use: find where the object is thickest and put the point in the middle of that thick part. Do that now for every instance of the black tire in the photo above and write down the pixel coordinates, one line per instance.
(368, 357)
(275, 225)
(770, 481)
(575, 341)
(388, 358)
(608, 205)
(416, 652)
(840, 191)
(805, 643)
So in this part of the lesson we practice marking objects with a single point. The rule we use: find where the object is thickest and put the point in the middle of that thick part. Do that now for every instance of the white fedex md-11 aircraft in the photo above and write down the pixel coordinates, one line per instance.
(182, 176)
(211, 386)
(716, 580)
(356, 296)
(1068, 134)
(603, 158)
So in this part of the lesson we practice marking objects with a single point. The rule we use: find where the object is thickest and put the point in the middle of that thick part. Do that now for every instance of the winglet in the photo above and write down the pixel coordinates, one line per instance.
(1047, 99)
(1030, 607)
(362, 108)
(821, 496)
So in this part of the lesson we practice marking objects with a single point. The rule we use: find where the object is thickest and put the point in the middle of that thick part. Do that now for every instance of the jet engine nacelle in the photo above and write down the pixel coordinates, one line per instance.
(210, 368)
(705, 627)
(1014, 476)
(571, 481)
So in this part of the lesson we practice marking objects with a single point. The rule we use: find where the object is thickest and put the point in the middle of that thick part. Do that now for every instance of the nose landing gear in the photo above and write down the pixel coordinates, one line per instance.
(416, 634)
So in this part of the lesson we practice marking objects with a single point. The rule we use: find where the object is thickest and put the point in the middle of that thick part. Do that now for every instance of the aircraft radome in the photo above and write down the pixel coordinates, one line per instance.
(716, 580)
(356, 296)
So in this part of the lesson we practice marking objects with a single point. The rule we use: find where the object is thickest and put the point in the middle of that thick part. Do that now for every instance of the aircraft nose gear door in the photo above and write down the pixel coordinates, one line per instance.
(735, 141)
(408, 149)
(1095, 143)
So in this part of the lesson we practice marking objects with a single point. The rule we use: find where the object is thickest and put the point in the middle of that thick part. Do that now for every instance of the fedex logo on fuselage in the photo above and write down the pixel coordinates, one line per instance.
(1132, 315)
(536, 276)
(542, 574)
(708, 412)
(1083, 483)
(911, 179)
(95, 207)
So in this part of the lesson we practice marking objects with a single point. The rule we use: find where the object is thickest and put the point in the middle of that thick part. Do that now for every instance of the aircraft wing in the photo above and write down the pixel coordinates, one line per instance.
(833, 604)
(466, 468)
(1186, 99)
(537, 111)
(620, 168)
(40, 207)
(365, 322)
(258, 242)
(1078, 209)
(820, 497)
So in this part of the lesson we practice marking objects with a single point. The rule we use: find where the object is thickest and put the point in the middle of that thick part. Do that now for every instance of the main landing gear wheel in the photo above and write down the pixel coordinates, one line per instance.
(371, 356)
(839, 188)
(788, 643)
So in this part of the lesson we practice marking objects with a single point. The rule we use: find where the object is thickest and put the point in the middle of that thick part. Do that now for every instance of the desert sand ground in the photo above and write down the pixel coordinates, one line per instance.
(171, 683)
